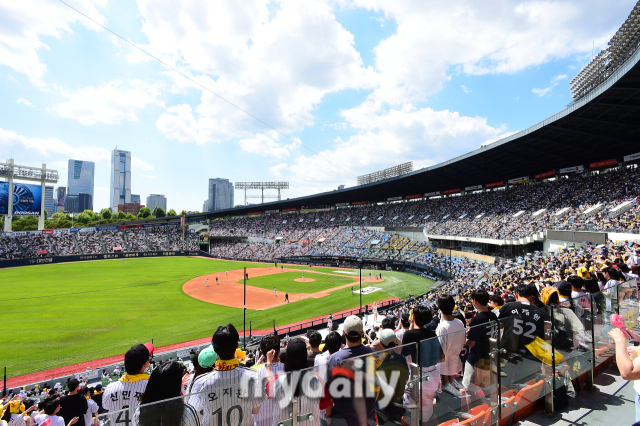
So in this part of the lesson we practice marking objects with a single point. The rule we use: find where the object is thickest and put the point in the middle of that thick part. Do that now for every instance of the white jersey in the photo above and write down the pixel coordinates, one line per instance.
(55, 420)
(189, 417)
(269, 410)
(93, 409)
(17, 420)
(227, 397)
(123, 395)
(307, 404)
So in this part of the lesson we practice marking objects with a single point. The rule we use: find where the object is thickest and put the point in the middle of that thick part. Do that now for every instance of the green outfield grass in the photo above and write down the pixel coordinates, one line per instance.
(54, 315)
(284, 282)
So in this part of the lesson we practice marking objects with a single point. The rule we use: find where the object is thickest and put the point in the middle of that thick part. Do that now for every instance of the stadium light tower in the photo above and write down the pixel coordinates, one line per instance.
(261, 186)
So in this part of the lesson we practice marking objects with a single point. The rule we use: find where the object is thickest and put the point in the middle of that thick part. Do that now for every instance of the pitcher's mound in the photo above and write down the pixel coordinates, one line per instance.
(304, 280)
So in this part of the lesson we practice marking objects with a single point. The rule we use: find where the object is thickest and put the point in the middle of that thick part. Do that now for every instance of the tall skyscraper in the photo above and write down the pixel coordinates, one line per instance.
(80, 178)
(135, 198)
(154, 200)
(220, 194)
(120, 188)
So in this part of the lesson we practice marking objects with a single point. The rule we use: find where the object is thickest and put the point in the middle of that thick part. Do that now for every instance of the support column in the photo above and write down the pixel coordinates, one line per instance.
(9, 216)
(42, 198)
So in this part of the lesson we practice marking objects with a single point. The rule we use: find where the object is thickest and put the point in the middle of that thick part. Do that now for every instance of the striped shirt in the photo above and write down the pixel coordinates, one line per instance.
(269, 410)
(307, 403)
(123, 395)
(189, 417)
(227, 397)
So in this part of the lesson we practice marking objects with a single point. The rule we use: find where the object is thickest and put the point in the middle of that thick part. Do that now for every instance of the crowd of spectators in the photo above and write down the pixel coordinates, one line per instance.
(254, 386)
(93, 242)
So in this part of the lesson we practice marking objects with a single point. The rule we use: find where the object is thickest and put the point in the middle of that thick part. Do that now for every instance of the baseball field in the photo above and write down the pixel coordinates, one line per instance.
(61, 314)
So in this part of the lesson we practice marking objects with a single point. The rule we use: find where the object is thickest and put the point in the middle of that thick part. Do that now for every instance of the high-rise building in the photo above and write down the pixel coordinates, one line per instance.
(158, 200)
(220, 195)
(120, 188)
(80, 178)
(58, 199)
(48, 200)
(78, 203)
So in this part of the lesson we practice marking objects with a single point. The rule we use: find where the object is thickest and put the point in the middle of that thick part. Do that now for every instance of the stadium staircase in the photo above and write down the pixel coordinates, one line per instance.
(127, 243)
(75, 242)
(102, 243)
(52, 247)
(146, 239)
(24, 252)
(169, 241)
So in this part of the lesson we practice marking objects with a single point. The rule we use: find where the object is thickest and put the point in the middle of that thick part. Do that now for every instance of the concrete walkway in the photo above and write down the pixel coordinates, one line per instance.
(613, 404)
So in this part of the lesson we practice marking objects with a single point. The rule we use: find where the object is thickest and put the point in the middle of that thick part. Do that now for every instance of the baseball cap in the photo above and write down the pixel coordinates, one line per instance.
(207, 357)
(562, 286)
(353, 326)
(136, 357)
(297, 352)
(98, 388)
(387, 336)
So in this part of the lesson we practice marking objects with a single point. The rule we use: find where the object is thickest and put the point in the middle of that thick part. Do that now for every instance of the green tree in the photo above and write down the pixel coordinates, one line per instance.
(172, 212)
(83, 218)
(159, 212)
(183, 212)
(105, 213)
(122, 215)
(46, 214)
(130, 216)
(144, 213)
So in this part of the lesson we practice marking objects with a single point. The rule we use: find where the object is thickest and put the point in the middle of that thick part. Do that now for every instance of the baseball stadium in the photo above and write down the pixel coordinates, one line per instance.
(500, 286)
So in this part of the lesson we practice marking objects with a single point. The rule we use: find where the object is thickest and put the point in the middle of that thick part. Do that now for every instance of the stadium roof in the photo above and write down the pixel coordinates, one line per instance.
(603, 125)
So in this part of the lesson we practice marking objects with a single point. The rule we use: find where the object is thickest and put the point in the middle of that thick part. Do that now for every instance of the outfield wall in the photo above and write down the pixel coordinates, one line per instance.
(102, 256)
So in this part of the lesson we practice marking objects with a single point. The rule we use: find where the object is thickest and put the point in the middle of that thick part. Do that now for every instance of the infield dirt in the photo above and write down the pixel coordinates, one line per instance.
(228, 292)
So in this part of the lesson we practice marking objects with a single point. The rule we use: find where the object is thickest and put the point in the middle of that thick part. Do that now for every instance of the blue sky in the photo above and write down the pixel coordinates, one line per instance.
(362, 85)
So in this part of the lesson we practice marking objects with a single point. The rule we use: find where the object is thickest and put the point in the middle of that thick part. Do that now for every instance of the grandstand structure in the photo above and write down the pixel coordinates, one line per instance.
(575, 171)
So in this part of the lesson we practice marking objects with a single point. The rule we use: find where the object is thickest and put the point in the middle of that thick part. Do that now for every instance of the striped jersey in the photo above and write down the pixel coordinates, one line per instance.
(123, 395)
(227, 397)
(189, 417)
(269, 410)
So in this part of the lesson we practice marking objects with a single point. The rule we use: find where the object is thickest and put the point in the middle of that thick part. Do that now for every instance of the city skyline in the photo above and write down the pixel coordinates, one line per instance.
(386, 83)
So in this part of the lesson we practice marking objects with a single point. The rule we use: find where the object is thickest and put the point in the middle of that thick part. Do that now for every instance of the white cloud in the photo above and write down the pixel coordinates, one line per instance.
(149, 176)
(25, 23)
(544, 91)
(466, 89)
(138, 164)
(277, 169)
(53, 148)
(109, 103)
(481, 37)
(558, 78)
(266, 146)
(26, 102)
(554, 83)
(389, 137)
(278, 66)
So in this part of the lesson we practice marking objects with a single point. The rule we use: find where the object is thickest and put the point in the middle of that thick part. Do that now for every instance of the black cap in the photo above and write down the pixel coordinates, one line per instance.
(297, 353)
(135, 358)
